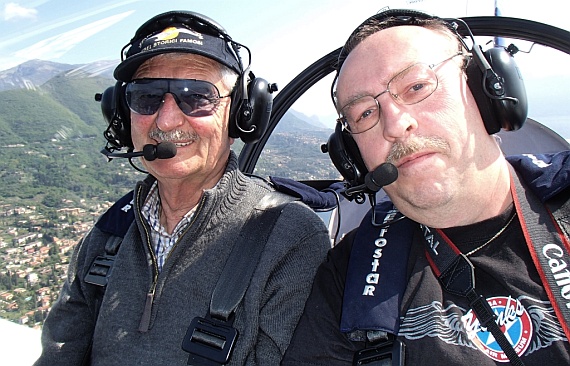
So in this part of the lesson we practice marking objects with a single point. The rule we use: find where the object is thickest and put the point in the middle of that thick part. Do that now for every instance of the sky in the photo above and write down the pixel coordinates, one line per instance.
(284, 36)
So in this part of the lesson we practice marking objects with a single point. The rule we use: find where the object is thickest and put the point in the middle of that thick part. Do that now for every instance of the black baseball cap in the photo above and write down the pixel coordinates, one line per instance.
(181, 32)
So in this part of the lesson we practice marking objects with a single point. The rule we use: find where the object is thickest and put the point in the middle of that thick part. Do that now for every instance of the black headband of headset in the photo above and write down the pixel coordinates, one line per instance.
(393, 18)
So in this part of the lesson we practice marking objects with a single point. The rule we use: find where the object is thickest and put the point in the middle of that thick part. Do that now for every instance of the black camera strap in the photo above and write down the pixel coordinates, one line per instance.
(456, 275)
(210, 339)
(547, 241)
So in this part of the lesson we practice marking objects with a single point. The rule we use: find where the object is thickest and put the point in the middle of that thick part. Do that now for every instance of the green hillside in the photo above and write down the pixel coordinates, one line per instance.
(77, 94)
(51, 138)
(35, 116)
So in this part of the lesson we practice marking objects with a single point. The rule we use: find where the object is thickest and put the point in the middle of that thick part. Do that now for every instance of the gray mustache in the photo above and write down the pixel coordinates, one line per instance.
(412, 146)
(175, 135)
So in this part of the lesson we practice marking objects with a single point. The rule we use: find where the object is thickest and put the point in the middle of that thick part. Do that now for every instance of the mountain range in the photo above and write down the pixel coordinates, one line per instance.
(33, 74)
(51, 136)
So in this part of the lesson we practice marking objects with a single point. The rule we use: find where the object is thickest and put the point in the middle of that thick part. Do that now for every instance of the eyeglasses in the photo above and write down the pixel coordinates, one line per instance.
(410, 86)
(195, 98)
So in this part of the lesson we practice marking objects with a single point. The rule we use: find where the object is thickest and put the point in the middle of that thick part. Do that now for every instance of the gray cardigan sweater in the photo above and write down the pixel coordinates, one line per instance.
(144, 314)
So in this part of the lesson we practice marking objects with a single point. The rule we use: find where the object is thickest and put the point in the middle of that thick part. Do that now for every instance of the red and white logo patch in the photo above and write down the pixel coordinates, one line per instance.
(514, 322)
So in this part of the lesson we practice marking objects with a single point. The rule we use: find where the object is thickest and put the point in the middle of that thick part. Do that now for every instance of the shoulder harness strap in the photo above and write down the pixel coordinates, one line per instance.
(116, 221)
(376, 279)
(210, 339)
(375, 284)
(102, 265)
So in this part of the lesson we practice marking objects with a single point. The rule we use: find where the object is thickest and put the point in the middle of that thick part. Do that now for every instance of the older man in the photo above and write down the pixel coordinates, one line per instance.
(181, 81)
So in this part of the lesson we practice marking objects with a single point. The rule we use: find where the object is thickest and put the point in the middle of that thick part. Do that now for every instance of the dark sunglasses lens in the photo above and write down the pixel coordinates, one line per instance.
(144, 96)
(195, 98)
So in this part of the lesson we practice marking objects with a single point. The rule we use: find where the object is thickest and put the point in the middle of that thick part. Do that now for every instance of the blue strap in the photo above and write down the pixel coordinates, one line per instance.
(117, 220)
(377, 273)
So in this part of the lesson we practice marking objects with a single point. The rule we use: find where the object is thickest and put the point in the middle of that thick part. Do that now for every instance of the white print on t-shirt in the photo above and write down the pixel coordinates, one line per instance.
(528, 328)
(513, 320)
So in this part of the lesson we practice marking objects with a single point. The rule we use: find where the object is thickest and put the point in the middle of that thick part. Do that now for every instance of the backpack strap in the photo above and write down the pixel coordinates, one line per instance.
(210, 339)
(382, 349)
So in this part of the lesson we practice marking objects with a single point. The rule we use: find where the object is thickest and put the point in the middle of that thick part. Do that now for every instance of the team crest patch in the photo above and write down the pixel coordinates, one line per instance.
(514, 321)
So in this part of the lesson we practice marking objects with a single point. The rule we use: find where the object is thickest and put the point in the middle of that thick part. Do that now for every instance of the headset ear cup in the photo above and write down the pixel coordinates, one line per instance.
(498, 112)
(108, 105)
(253, 111)
(475, 82)
(117, 115)
(511, 115)
(124, 114)
(353, 153)
(345, 156)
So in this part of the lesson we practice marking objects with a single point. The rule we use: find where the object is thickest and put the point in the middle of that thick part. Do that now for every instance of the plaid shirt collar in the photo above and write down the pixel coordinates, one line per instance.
(162, 242)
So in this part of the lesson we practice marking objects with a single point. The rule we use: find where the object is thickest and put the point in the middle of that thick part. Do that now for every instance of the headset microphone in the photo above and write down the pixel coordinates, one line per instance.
(164, 150)
(383, 175)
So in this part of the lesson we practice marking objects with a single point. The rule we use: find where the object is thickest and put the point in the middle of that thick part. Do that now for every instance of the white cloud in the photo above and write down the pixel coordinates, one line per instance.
(14, 11)
(56, 46)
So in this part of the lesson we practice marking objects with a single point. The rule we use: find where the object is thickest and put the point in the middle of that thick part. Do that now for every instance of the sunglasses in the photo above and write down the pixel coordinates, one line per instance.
(195, 98)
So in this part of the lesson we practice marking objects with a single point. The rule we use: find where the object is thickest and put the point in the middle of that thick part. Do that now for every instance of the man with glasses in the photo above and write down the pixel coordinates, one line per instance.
(466, 262)
(181, 224)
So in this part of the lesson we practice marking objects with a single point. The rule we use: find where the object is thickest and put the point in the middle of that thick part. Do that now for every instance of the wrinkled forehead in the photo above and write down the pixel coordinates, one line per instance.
(375, 60)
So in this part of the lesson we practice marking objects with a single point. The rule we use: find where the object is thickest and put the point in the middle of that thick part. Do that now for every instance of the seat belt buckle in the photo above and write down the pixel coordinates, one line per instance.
(100, 270)
(388, 353)
(209, 342)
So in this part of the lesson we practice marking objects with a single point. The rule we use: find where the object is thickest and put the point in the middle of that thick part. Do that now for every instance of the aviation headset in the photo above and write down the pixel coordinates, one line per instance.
(492, 76)
(251, 98)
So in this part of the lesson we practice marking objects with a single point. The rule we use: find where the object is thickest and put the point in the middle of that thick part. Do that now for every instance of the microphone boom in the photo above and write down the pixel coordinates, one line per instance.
(163, 150)
(384, 174)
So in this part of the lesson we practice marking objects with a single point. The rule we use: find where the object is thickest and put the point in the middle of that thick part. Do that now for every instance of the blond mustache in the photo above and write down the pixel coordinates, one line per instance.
(175, 135)
(414, 145)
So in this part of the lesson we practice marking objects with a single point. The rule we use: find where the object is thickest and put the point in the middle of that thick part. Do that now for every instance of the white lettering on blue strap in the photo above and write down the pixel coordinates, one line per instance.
(373, 278)
(128, 206)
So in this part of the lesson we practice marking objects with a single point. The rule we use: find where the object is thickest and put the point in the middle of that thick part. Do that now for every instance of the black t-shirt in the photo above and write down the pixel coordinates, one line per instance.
(436, 327)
